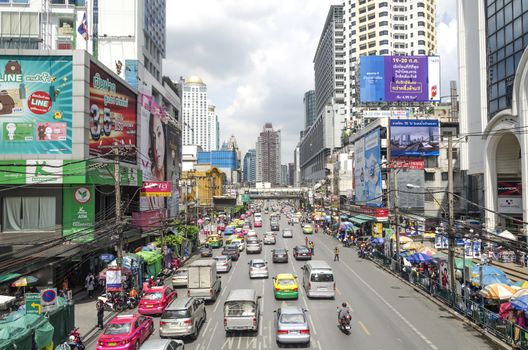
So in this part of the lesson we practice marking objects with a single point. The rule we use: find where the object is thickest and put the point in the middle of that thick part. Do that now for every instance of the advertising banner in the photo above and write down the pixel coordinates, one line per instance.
(410, 198)
(131, 73)
(414, 138)
(367, 171)
(509, 197)
(408, 163)
(400, 79)
(173, 160)
(385, 114)
(79, 219)
(113, 279)
(113, 114)
(156, 189)
(36, 104)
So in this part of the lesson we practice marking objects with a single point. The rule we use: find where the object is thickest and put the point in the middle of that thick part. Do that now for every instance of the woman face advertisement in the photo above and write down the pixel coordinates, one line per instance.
(157, 148)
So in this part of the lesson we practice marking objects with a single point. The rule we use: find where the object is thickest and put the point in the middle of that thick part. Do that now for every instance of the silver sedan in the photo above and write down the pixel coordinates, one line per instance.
(291, 325)
(258, 268)
(223, 263)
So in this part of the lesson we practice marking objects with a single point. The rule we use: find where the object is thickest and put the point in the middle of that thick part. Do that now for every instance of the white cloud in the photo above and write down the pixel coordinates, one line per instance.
(446, 32)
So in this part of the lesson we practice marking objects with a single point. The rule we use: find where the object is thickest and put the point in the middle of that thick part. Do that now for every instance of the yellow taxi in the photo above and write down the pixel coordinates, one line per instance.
(215, 241)
(285, 286)
(239, 242)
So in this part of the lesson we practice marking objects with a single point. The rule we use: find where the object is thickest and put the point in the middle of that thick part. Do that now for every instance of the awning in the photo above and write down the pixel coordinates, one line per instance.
(367, 217)
(361, 219)
(9, 277)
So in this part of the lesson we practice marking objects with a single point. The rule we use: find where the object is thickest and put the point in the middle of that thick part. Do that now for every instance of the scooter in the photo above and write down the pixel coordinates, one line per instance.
(111, 303)
(132, 302)
(74, 340)
(344, 324)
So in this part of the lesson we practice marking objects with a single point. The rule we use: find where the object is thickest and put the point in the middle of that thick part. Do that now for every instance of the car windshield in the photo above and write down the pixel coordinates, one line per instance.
(302, 249)
(176, 314)
(280, 251)
(153, 296)
(239, 308)
(231, 247)
(181, 272)
(220, 258)
(322, 277)
(292, 318)
(118, 328)
(258, 264)
(286, 282)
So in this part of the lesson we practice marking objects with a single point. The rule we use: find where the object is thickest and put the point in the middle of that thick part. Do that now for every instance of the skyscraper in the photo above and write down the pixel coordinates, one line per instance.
(250, 166)
(199, 118)
(391, 27)
(269, 155)
(309, 108)
(284, 175)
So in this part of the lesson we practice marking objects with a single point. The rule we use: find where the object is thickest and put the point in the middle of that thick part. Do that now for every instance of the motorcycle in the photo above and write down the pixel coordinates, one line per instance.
(111, 303)
(74, 340)
(344, 323)
(132, 302)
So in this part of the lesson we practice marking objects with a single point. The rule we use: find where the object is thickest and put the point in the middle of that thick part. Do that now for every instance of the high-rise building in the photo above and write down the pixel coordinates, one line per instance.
(492, 69)
(199, 118)
(284, 175)
(214, 127)
(390, 27)
(269, 155)
(309, 108)
(250, 166)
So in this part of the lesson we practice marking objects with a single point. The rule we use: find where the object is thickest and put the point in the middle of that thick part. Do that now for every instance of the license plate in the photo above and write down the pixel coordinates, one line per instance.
(293, 332)
(150, 305)
(321, 288)
(112, 344)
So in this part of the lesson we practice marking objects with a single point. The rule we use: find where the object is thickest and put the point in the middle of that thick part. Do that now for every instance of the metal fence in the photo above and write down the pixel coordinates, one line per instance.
(472, 309)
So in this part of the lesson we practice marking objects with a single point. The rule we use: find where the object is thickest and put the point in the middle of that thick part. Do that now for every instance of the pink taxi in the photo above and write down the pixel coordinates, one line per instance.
(126, 332)
(155, 300)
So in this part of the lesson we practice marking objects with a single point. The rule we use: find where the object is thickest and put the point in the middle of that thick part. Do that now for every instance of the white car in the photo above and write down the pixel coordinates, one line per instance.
(287, 233)
(269, 238)
(258, 268)
(179, 278)
(223, 263)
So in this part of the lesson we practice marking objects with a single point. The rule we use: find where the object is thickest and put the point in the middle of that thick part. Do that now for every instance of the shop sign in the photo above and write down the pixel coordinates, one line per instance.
(156, 189)
(408, 163)
(113, 279)
(79, 212)
(509, 197)
(15, 172)
(36, 104)
(377, 230)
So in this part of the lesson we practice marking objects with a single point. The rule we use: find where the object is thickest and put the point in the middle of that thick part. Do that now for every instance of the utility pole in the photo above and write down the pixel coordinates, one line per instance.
(119, 228)
(451, 234)
(397, 219)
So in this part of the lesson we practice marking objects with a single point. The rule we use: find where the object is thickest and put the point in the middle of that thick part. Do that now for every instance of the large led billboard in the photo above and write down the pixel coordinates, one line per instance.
(400, 79)
(414, 138)
(367, 170)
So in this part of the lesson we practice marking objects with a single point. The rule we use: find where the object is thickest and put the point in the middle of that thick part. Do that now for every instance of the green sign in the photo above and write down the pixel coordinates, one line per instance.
(17, 132)
(103, 174)
(245, 198)
(32, 303)
(16, 172)
(79, 212)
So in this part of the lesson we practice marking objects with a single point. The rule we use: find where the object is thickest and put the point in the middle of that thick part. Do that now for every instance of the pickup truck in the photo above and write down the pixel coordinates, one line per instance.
(202, 280)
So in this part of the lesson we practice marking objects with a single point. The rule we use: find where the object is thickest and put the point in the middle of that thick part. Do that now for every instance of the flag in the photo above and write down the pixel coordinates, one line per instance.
(83, 28)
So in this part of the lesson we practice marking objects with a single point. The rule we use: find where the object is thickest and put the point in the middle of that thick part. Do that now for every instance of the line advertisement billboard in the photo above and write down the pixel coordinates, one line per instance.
(36, 104)
(113, 114)
(400, 79)
(367, 171)
(414, 138)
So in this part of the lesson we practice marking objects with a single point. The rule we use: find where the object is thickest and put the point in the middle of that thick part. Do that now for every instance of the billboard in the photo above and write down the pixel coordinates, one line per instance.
(376, 114)
(414, 138)
(173, 160)
(113, 114)
(400, 79)
(413, 197)
(509, 197)
(367, 171)
(36, 104)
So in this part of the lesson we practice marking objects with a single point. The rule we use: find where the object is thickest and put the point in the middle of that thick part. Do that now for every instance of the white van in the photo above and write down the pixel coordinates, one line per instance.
(318, 279)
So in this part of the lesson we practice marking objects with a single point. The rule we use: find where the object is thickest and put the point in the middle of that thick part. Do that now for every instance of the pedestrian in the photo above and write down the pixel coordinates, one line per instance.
(306, 241)
(90, 284)
(100, 315)
(336, 253)
(312, 247)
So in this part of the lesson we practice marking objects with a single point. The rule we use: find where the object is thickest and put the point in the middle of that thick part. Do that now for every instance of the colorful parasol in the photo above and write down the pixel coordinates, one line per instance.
(25, 281)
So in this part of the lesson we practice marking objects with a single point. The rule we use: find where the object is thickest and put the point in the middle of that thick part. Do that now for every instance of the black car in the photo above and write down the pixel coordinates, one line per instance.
(206, 252)
(280, 255)
(301, 252)
(231, 250)
(274, 226)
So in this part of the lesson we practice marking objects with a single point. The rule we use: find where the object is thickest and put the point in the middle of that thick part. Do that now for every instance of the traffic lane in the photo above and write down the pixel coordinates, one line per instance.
(409, 312)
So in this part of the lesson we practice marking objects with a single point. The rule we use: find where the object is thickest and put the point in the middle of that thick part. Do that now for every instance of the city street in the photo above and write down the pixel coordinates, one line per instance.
(386, 313)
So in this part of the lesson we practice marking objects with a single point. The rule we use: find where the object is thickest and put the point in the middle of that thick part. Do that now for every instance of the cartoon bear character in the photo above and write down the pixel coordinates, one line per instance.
(6, 103)
(13, 67)
(41, 131)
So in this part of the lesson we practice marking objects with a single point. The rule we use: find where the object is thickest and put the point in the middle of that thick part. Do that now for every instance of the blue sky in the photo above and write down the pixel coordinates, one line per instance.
(257, 59)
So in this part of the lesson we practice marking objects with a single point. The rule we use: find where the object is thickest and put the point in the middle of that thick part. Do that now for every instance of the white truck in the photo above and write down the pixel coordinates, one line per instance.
(202, 280)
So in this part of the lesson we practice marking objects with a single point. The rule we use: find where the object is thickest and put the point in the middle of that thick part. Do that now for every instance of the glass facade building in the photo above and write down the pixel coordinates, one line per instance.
(250, 166)
(309, 108)
(219, 159)
(507, 36)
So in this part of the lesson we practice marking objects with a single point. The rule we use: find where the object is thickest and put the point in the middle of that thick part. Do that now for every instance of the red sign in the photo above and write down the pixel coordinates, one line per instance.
(148, 219)
(156, 189)
(409, 163)
(39, 102)
(509, 188)
(381, 214)
(113, 114)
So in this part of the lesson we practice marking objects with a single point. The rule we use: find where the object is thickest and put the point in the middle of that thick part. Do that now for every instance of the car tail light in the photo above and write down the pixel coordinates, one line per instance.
(304, 331)
(162, 323)
(101, 343)
(254, 321)
(211, 292)
(188, 293)
(309, 285)
(334, 286)
(225, 322)
(282, 331)
(295, 289)
(187, 321)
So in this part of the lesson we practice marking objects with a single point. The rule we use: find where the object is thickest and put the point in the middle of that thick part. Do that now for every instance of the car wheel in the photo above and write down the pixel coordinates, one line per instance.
(194, 334)
(152, 328)
(136, 346)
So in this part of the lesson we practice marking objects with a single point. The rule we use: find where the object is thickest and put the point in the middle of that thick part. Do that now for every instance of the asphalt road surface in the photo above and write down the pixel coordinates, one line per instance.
(386, 313)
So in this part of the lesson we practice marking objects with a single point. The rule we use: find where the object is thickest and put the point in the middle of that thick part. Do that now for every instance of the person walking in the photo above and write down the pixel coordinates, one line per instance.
(312, 247)
(336, 253)
(90, 284)
(100, 315)
(306, 241)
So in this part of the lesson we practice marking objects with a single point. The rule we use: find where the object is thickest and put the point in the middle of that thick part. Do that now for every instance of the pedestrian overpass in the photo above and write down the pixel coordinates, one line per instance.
(277, 193)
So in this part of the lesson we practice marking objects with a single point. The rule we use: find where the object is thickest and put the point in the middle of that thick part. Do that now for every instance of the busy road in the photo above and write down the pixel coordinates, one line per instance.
(386, 313)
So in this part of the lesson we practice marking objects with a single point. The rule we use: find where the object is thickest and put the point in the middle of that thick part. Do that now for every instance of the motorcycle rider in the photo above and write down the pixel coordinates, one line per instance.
(343, 313)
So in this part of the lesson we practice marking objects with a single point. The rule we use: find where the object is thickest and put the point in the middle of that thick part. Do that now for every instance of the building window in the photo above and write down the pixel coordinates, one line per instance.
(429, 176)
(445, 175)
(29, 214)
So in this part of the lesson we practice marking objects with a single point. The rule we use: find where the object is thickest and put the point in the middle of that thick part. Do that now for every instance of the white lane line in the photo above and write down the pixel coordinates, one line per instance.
(319, 345)
(233, 269)
(389, 305)
(239, 342)
(212, 336)
(207, 323)
(262, 295)
(269, 333)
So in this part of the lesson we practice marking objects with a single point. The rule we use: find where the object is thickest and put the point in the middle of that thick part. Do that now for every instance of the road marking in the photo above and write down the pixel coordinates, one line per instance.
(228, 341)
(319, 345)
(389, 305)
(338, 291)
(269, 333)
(364, 328)
(239, 342)
(212, 336)
(225, 285)
(207, 323)
(262, 295)
(251, 341)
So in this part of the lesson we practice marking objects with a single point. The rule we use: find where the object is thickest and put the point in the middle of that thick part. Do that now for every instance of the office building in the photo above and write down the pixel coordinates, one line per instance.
(250, 166)
(492, 68)
(226, 161)
(284, 175)
(269, 155)
(391, 27)
(291, 174)
(215, 127)
(309, 108)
